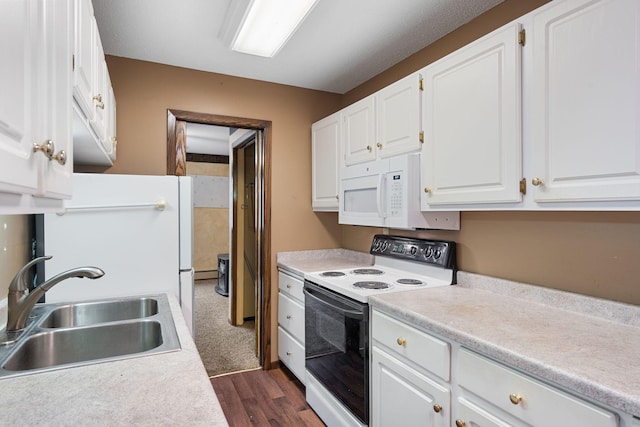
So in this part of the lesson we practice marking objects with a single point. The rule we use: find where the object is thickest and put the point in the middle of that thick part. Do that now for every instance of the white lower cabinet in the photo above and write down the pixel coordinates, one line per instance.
(418, 379)
(403, 396)
(291, 324)
(505, 391)
(405, 366)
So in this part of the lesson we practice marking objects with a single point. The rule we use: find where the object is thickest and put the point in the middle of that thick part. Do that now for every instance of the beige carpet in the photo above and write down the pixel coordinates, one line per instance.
(223, 348)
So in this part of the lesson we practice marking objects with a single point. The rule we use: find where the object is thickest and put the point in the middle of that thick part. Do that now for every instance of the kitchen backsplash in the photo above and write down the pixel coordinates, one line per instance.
(14, 253)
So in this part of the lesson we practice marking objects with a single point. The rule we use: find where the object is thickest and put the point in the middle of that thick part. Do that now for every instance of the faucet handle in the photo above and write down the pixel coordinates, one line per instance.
(19, 283)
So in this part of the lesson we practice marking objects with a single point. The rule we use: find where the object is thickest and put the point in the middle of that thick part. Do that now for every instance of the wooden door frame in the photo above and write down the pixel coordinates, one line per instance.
(176, 165)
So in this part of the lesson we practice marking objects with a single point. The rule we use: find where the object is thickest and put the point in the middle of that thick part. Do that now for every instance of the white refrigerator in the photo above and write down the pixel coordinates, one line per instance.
(137, 228)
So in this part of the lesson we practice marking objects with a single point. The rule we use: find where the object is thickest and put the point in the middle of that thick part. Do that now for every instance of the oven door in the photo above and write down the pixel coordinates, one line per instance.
(337, 346)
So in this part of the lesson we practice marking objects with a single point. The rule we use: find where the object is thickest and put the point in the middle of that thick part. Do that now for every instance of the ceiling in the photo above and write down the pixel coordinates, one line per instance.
(341, 44)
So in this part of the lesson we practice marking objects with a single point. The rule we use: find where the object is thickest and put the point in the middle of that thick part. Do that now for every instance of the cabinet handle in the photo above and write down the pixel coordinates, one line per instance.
(288, 286)
(47, 148)
(100, 105)
(461, 423)
(288, 353)
(114, 140)
(515, 398)
(98, 98)
(60, 157)
(368, 148)
(379, 145)
(536, 182)
(288, 316)
(401, 341)
(337, 197)
(427, 190)
(437, 408)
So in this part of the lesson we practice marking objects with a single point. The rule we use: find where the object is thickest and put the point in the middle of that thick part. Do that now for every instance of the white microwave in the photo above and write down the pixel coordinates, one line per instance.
(386, 193)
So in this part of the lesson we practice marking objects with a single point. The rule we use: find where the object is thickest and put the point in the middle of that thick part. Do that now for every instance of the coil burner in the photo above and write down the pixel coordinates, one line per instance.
(370, 271)
(332, 274)
(414, 282)
(373, 285)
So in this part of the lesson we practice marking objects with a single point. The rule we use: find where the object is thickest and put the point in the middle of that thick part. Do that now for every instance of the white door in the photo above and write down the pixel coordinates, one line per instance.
(18, 165)
(398, 117)
(325, 163)
(84, 57)
(54, 109)
(359, 131)
(473, 144)
(586, 101)
(403, 396)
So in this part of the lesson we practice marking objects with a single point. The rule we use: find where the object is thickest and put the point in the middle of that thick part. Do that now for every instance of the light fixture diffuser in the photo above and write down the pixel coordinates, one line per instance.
(265, 26)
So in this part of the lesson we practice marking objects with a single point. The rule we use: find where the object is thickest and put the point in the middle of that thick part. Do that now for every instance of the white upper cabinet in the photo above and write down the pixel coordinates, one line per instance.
(472, 118)
(94, 109)
(325, 163)
(35, 107)
(586, 101)
(384, 124)
(398, 117)
(359, 131)
(18, 165)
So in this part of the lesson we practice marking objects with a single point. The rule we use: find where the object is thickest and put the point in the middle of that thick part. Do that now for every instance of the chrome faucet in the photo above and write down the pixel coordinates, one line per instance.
(21, 301)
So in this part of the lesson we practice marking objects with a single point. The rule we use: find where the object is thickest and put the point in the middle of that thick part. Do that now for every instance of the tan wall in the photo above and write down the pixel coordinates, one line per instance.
(144, 91)
(15, 247)
(210, 225)
(592, 253)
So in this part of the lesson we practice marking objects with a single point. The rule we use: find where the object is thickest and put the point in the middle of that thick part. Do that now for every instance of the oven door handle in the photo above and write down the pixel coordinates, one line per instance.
(353, 314)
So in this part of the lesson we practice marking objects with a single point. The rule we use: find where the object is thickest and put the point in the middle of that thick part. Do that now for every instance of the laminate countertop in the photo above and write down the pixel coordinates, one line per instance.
(300, 262)
(167, 389)
(585, 345)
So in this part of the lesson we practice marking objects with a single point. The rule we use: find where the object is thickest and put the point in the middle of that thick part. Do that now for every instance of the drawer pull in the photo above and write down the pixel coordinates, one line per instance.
(401, 341)
(461, 423)
(288, 316)
(288, 286)
(515, 398)
(288, 353)
(437, 408)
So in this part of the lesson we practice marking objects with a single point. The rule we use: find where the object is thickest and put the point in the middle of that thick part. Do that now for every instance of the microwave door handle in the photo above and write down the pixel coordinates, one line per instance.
(379, 200)
(353, 314)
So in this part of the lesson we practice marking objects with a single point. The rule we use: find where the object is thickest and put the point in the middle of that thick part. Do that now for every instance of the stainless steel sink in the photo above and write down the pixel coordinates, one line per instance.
(69, 335)
(91, 313)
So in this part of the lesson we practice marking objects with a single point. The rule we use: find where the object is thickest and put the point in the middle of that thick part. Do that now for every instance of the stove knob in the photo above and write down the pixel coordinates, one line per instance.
(428, 252)
(413, 250)
(438, 253)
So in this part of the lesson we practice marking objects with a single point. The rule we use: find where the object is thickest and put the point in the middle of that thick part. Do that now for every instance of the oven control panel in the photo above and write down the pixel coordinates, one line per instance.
(435, 252)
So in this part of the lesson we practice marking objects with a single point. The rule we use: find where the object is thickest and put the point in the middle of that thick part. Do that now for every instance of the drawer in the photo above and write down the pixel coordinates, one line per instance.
(539, 404)
(468, 414)
(291, 286)
(417, 346)
(291, 353)
(291, 316)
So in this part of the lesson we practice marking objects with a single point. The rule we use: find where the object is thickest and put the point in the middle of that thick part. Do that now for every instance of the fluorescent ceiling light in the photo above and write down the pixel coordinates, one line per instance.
(265, 26)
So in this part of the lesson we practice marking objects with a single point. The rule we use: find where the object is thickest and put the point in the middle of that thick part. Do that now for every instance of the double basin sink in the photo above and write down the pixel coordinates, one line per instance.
(74, 334)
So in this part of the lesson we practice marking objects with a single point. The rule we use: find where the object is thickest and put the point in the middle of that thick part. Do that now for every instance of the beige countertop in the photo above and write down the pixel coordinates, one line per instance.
(158, 390)
(586, 345)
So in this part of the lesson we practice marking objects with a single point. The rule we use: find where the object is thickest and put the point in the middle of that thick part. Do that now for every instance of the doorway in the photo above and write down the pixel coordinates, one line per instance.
(255, 163)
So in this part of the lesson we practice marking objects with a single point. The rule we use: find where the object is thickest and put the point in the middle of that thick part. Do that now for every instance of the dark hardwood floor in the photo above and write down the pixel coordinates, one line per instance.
(265, 398)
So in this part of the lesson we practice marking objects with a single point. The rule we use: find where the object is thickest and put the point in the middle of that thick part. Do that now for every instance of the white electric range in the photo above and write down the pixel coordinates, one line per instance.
(337, 320)
(401, 264)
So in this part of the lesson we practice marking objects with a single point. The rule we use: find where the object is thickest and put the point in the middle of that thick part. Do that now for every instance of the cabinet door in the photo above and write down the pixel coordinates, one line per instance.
(586, 101)
(84, 57)
(112, 139)
(56, 94)
(359, 131)
(99, 122)
(325, 163)
(18, 165)
(403, 396)
(398, 117)
(473, 145)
